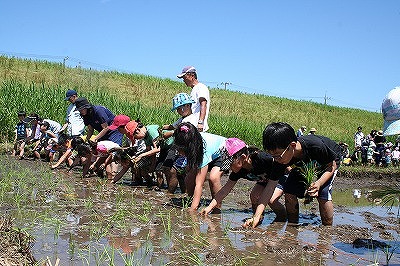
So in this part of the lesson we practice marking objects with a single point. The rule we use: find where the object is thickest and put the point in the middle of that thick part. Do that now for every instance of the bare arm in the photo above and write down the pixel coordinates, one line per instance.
(316, 185)
(62, 159)
(221, 194)
(102, 132)
(198, 189)
(203, 112)
(120, 174)
(89, 134)
(263, 201)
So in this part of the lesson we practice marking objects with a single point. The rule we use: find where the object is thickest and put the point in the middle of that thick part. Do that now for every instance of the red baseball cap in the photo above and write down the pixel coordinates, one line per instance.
(119, 120)
(131, 126)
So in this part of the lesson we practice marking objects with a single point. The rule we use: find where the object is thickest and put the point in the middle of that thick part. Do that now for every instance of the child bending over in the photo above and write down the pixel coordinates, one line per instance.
(254, 165)
(280, 141)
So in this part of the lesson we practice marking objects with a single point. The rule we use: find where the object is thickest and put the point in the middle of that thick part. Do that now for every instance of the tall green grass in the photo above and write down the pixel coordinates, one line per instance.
(40, 86)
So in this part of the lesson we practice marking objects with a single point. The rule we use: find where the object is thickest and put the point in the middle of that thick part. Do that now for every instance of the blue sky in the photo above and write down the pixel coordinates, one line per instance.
(346, 50)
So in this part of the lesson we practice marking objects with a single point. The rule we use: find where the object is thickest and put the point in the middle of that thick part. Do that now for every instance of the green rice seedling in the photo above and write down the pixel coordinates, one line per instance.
(71, 245)
(128, 259)
(390, 197)
(88, 203)
(310, 172)
(166, 221)
(244, 260)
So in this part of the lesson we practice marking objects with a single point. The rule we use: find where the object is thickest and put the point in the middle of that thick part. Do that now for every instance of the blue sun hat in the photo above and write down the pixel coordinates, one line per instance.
(391, 112)
(181, 99)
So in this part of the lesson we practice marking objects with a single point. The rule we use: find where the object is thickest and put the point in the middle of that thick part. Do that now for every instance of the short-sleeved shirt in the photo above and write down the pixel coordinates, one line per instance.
(152, 134)
(21, 130)
(54, 127)
(76, 126)
(358, 138)
(200, 91)
(192, 119)
(319, 149)
(104, 146)
(264, 168)
(212, 147)
(99, 116)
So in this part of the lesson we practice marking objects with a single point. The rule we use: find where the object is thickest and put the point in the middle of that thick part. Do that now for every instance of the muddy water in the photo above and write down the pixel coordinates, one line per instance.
(91, 222)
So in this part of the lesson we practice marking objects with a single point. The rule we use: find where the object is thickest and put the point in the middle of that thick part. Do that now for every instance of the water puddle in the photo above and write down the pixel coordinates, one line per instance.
(91, 222)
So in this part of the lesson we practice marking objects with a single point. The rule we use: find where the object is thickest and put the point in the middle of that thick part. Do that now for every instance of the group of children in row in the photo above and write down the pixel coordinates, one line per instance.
(184, 156)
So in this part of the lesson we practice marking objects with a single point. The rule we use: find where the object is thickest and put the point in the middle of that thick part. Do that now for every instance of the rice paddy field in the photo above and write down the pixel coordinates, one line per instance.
(69, 220)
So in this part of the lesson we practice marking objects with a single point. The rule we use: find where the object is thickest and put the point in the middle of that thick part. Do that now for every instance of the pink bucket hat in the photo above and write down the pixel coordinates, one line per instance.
(232, 146)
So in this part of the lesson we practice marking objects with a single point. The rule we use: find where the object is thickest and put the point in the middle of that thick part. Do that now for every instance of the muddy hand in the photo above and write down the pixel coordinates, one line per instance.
(205, 211)
(313, 189)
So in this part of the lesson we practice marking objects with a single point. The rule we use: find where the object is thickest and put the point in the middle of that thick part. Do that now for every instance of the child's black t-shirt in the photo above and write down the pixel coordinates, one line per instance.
(264, 169)
(317, 148)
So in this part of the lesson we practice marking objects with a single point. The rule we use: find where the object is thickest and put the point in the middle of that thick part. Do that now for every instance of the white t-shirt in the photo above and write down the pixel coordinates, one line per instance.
(54, 127)
(358, 138)
(192, 119)
(200, 91)
(76, 126)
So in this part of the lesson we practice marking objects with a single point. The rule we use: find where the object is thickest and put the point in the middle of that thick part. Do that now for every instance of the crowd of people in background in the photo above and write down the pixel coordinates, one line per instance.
(183, 154)
(372, 149)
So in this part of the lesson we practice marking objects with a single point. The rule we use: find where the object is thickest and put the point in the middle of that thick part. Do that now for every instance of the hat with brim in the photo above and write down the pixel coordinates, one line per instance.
(391, 112)
(232, 146)
(185, 70)
(119, 120)
(82, 103)
(70, 93)
(131, 127)
(181, 99)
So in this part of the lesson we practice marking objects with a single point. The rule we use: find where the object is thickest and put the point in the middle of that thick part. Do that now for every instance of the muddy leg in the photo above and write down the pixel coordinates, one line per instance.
(190, 182)
(292, 208)
(326, 211)
(278, 208)
(172, 179)
(215, 181)
(255, 196)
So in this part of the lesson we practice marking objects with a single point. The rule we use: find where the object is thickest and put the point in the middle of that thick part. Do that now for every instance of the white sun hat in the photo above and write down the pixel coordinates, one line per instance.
(391, 112)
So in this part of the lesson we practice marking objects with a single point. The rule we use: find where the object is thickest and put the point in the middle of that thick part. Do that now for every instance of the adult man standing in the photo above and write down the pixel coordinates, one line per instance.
(358, 137)
(73, 121)
(200, 94)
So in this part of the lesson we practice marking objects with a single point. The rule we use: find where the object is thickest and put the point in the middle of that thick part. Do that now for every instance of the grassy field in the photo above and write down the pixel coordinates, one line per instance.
(40, 86)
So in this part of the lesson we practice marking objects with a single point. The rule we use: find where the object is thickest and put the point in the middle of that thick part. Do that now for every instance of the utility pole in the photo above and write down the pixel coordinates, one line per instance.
(326, 98)
(65, 59)
(225, 84)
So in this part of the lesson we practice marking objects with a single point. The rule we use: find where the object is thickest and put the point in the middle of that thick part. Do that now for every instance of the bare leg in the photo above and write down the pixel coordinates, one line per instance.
(292, 208)
(278, 208)
(172, 179)
(215, 180)
(326, 211)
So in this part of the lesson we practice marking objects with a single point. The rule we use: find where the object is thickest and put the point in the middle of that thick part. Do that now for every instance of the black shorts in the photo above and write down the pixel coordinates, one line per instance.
(215, 162)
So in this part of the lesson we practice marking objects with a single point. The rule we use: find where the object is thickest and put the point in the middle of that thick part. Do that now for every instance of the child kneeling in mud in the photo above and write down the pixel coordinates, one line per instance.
(279, 139)
(254, 165)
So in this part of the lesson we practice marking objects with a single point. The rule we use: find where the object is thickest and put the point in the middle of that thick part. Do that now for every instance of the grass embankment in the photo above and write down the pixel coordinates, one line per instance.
(40, 86)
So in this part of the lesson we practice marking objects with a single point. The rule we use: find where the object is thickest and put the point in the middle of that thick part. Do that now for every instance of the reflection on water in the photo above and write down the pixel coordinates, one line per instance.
(90, 222)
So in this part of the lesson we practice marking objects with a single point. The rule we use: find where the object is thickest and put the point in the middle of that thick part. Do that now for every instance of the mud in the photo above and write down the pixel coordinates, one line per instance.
(91, 222)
